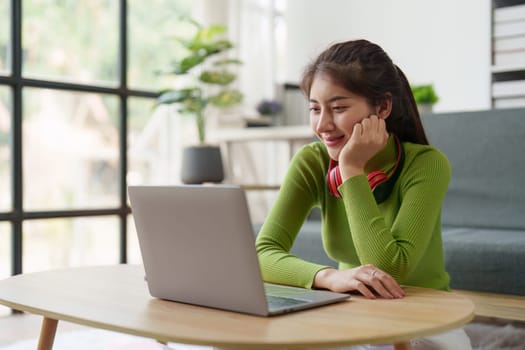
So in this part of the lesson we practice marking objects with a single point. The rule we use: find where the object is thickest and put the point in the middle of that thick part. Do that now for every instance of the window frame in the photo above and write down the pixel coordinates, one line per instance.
(16, 83)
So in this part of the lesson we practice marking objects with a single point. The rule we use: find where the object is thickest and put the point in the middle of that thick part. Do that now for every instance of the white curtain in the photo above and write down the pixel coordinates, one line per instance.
(257, 50)
(252, 27)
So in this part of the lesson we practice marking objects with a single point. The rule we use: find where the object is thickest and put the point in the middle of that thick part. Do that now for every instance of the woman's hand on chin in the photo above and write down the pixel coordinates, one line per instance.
(368, 138)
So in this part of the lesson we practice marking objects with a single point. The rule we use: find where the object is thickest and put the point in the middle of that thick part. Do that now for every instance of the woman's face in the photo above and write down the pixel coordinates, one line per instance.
(334, 111)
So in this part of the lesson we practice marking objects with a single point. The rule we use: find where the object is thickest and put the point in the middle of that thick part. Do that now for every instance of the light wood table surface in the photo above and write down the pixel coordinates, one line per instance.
(116, 298)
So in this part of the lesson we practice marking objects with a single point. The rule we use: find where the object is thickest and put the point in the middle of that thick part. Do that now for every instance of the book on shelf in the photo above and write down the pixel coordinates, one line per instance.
(509, 44)
(509, 29)
(509, 13)
(509, 58)
(509, 102)
(511, 88)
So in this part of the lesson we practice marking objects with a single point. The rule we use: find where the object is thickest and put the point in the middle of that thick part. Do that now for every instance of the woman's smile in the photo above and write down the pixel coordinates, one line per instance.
(333, 141)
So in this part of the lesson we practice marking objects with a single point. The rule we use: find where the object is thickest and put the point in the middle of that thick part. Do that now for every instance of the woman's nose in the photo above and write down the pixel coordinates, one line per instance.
(325, 122)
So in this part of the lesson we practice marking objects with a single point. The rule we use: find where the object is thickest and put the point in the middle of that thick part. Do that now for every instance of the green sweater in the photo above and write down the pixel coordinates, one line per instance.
(401, 236)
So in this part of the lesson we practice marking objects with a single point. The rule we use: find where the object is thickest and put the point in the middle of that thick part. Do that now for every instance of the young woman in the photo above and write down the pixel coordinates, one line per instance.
(377, 182)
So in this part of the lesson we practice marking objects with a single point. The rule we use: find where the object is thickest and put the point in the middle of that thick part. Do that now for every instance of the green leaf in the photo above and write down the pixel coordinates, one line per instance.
(424, 94)
(200, 54)
(187, 63)
(226, 98)
(217, 46)
(210, 32)
(178, 96)
(217, 77)
(192, 105)
(175, 69)
(227, 61)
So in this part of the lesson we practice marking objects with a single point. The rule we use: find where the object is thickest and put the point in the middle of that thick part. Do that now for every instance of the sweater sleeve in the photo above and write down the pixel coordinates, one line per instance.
(297, 196)
(398, 249)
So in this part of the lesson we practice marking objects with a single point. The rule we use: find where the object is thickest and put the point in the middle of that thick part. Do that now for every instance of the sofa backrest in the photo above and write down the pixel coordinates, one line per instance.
(486, 150)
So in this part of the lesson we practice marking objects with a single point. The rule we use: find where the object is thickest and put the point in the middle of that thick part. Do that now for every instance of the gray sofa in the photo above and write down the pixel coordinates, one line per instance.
(484, 210)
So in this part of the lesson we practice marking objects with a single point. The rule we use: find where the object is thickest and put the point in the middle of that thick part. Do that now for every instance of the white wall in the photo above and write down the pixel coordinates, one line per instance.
(445, 42)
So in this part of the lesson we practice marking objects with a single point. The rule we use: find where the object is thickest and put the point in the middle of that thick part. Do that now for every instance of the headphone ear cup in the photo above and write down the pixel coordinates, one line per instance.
(334, 180)
(382, 191)
(375, 178)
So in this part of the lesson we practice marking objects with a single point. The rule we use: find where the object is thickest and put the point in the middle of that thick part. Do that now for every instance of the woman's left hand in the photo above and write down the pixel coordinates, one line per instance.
(368, 138)
(366, 279)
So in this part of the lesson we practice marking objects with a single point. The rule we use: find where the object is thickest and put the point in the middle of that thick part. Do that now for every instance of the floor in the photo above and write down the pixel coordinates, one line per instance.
(22, 326)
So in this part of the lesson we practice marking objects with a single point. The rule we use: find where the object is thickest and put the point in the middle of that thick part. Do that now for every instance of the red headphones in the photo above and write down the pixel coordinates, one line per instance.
(380, 183)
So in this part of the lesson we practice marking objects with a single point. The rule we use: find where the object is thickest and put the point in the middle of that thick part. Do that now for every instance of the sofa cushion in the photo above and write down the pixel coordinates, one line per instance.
(485, 150)
(490, 260)
(309, 243)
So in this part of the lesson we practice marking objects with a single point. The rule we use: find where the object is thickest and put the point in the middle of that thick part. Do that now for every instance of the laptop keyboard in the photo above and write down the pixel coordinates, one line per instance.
(279, 302)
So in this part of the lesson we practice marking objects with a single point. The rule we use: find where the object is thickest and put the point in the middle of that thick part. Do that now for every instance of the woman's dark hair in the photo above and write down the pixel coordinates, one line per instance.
(365, 69)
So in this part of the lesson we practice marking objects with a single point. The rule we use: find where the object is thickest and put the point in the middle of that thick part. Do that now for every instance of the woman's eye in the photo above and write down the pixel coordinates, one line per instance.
(340, 108)
(314, 109)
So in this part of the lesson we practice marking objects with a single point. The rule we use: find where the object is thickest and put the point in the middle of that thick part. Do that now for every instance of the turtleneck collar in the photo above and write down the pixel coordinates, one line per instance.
(385, 159)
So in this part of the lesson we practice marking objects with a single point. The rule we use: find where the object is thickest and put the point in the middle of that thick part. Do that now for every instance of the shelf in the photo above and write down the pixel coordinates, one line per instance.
(506, 69)
(255, 187)
(271, 133)
(508, 54)
(231, 139)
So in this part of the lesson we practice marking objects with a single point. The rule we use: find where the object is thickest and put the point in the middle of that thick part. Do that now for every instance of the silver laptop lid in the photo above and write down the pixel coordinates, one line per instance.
(198, 246)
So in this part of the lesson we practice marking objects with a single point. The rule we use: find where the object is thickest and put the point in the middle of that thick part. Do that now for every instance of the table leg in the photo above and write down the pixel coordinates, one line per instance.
(402, 346)
(47, 334)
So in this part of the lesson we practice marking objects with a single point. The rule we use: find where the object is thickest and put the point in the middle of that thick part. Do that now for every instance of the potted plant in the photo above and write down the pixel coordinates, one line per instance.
(425, 97)
(207, 83)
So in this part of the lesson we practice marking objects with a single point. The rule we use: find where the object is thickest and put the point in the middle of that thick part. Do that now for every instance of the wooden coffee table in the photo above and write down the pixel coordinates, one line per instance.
(116, 298)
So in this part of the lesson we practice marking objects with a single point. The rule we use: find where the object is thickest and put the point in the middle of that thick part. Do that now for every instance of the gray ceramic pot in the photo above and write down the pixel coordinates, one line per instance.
(201, 164)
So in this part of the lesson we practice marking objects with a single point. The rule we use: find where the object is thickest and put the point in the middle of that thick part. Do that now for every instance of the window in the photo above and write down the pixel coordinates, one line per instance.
(5, 158)
(61, 42)
(134, 256)
(58, 243)
(76, 135)
(152, 44)
(5, 246)
(77, 94)
(264, 62)
(4, 37)
(5, 262)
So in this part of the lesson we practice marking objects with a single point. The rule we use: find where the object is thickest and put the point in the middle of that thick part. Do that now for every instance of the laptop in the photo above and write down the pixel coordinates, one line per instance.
(198, 247)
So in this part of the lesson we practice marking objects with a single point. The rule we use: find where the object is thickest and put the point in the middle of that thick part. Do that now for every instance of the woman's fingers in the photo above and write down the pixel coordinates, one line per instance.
(385, 285)
(370, 130)
(357, 131)
(362, 288)
(391, 284)
(376, 282)
(381, 282)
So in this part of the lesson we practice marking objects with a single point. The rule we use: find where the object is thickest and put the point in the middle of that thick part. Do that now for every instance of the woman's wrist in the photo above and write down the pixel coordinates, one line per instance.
(350, 171)
(322, 277)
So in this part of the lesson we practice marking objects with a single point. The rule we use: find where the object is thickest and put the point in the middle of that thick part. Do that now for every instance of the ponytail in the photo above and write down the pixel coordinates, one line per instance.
(415, 132)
